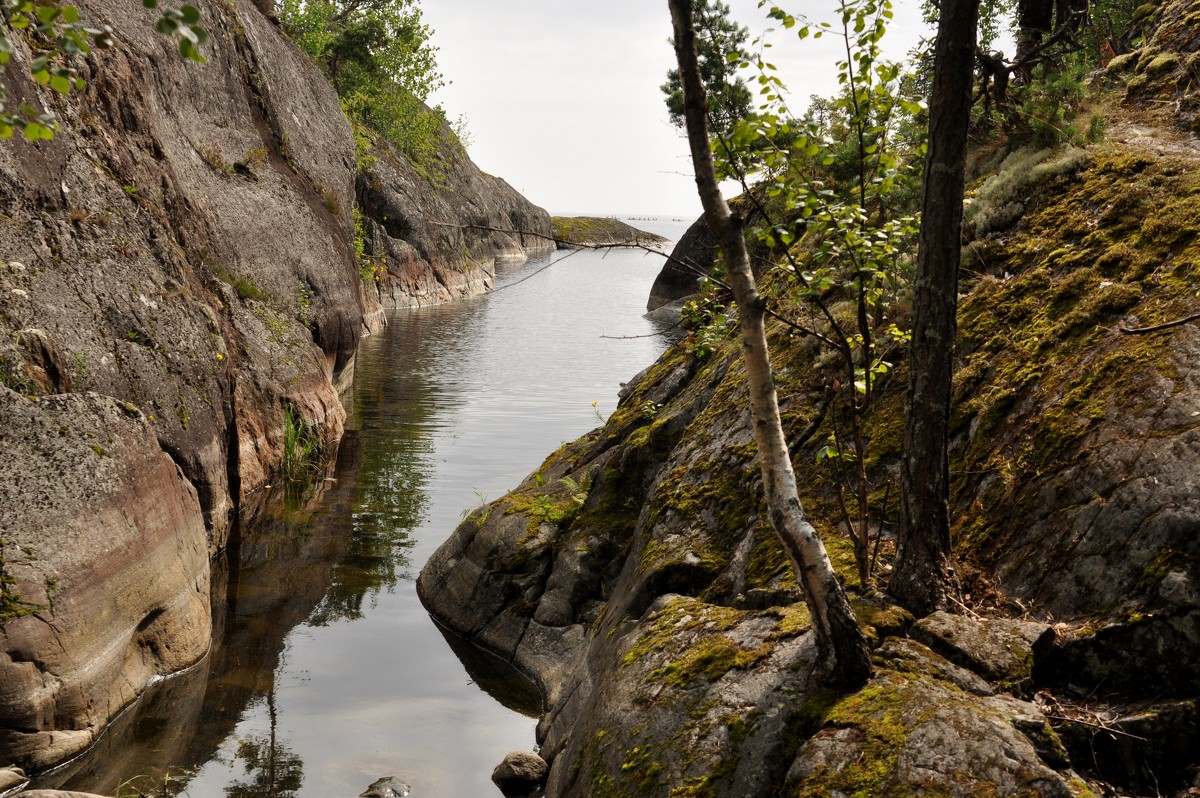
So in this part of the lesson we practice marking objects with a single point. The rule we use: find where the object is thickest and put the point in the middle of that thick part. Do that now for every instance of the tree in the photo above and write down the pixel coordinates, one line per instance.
(62, 35)
(922, 578)
(720, 41)
(839, 187)
(379, 57)
(845, 656)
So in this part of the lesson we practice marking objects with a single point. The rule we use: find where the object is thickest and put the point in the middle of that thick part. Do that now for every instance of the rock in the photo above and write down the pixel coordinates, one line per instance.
(1152, 656)
(692, 257)
(574, 230)
(999, 650)
(121, 598)
(1147, 746)
(11, 777)
(160, 279)
(669, 313)
(437, 239)
(909, 733)
(386, 787)
(520, 773)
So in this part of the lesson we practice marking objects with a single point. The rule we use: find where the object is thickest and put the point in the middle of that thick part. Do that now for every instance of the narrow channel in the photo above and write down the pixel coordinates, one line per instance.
(327, 673)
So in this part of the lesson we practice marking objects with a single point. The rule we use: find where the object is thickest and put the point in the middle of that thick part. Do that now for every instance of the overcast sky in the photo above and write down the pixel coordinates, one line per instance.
(562, 99)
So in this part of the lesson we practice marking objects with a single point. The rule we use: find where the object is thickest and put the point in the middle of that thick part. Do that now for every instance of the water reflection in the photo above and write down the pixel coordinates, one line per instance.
(326, 673)
(273, 770)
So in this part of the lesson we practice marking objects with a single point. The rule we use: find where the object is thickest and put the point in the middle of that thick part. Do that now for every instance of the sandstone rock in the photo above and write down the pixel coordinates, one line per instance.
(154, 274)
(10, 778)
(121, 597)
(520, 773)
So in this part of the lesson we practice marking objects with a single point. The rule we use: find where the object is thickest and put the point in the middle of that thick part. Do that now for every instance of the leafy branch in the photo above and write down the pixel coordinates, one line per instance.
(62, 35)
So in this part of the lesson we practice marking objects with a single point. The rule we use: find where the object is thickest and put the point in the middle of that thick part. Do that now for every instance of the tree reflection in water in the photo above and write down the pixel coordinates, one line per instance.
(274, 770)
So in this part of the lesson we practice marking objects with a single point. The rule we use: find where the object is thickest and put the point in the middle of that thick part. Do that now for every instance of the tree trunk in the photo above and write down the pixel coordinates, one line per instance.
(845, 656)
(923, 578)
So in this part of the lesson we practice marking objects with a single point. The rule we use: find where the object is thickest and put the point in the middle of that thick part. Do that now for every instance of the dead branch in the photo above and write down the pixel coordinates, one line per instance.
(1159, 327)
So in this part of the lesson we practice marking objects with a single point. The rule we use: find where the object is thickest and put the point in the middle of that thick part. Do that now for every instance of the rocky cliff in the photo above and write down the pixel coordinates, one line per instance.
(179, 287)
(636, 577)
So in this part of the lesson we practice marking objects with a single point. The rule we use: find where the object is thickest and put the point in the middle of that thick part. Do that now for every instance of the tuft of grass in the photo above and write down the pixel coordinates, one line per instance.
(302, 447)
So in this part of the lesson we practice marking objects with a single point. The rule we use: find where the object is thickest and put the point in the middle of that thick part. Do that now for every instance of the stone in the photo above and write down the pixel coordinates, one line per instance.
(11, 777)
(693, 256)
(120, 599)
(909, 732)
(999, 650)
(520, 773)
(386, 787)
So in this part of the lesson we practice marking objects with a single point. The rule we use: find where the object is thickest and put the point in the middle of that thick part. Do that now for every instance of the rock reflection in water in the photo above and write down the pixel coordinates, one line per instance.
(326, 673)
(293, 561)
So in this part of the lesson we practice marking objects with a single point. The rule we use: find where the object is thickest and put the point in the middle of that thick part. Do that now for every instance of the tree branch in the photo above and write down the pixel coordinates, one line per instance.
(1159, 327)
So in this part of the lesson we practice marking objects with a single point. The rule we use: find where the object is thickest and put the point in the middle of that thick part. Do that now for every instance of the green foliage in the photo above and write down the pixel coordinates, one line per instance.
(837, 189)
(707, 323)
(378, 55)
(719, 43)
(12, 605)
(1051, 104)
(302, 447)
(60, 37)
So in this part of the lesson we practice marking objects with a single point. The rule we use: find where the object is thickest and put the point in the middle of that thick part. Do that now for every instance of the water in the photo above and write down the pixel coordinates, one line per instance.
(326, 673)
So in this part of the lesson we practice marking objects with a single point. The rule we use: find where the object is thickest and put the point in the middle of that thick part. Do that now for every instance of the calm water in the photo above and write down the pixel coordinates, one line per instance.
(326, 672)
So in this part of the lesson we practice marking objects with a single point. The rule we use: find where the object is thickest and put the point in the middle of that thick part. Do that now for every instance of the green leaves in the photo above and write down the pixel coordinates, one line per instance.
(62, 26)
(184, 24)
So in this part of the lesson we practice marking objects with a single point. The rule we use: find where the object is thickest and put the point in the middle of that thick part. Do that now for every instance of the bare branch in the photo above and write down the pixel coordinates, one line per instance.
(1159, 327)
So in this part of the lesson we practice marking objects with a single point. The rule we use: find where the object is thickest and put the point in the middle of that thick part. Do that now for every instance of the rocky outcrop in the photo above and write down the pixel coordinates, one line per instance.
(1160, 70)
(179, 280)
(435, 233)
(693, 256)
(119, 598)
(636, 578)
(573, 231)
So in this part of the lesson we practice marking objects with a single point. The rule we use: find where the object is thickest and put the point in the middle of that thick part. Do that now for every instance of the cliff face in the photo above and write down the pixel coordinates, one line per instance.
(436, 233)
(636, 576)
(177, 277)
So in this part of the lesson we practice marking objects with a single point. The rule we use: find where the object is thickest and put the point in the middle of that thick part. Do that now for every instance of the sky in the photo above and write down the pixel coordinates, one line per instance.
(561, 98)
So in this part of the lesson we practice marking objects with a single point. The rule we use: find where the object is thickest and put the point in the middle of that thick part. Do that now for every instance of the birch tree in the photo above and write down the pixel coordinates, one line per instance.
(845, 656)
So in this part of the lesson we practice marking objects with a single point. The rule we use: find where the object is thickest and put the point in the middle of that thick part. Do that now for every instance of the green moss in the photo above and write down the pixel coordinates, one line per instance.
(708, 659)
(1043, 365)
(705, 786)
(676, 617)
(877, 712)
(1165, 62)
(598, 230)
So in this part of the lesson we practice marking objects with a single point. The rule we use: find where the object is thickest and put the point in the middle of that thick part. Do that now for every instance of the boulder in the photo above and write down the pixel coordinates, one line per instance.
(999, 650)
(11, 777)
(693, 256)
(520, 773)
